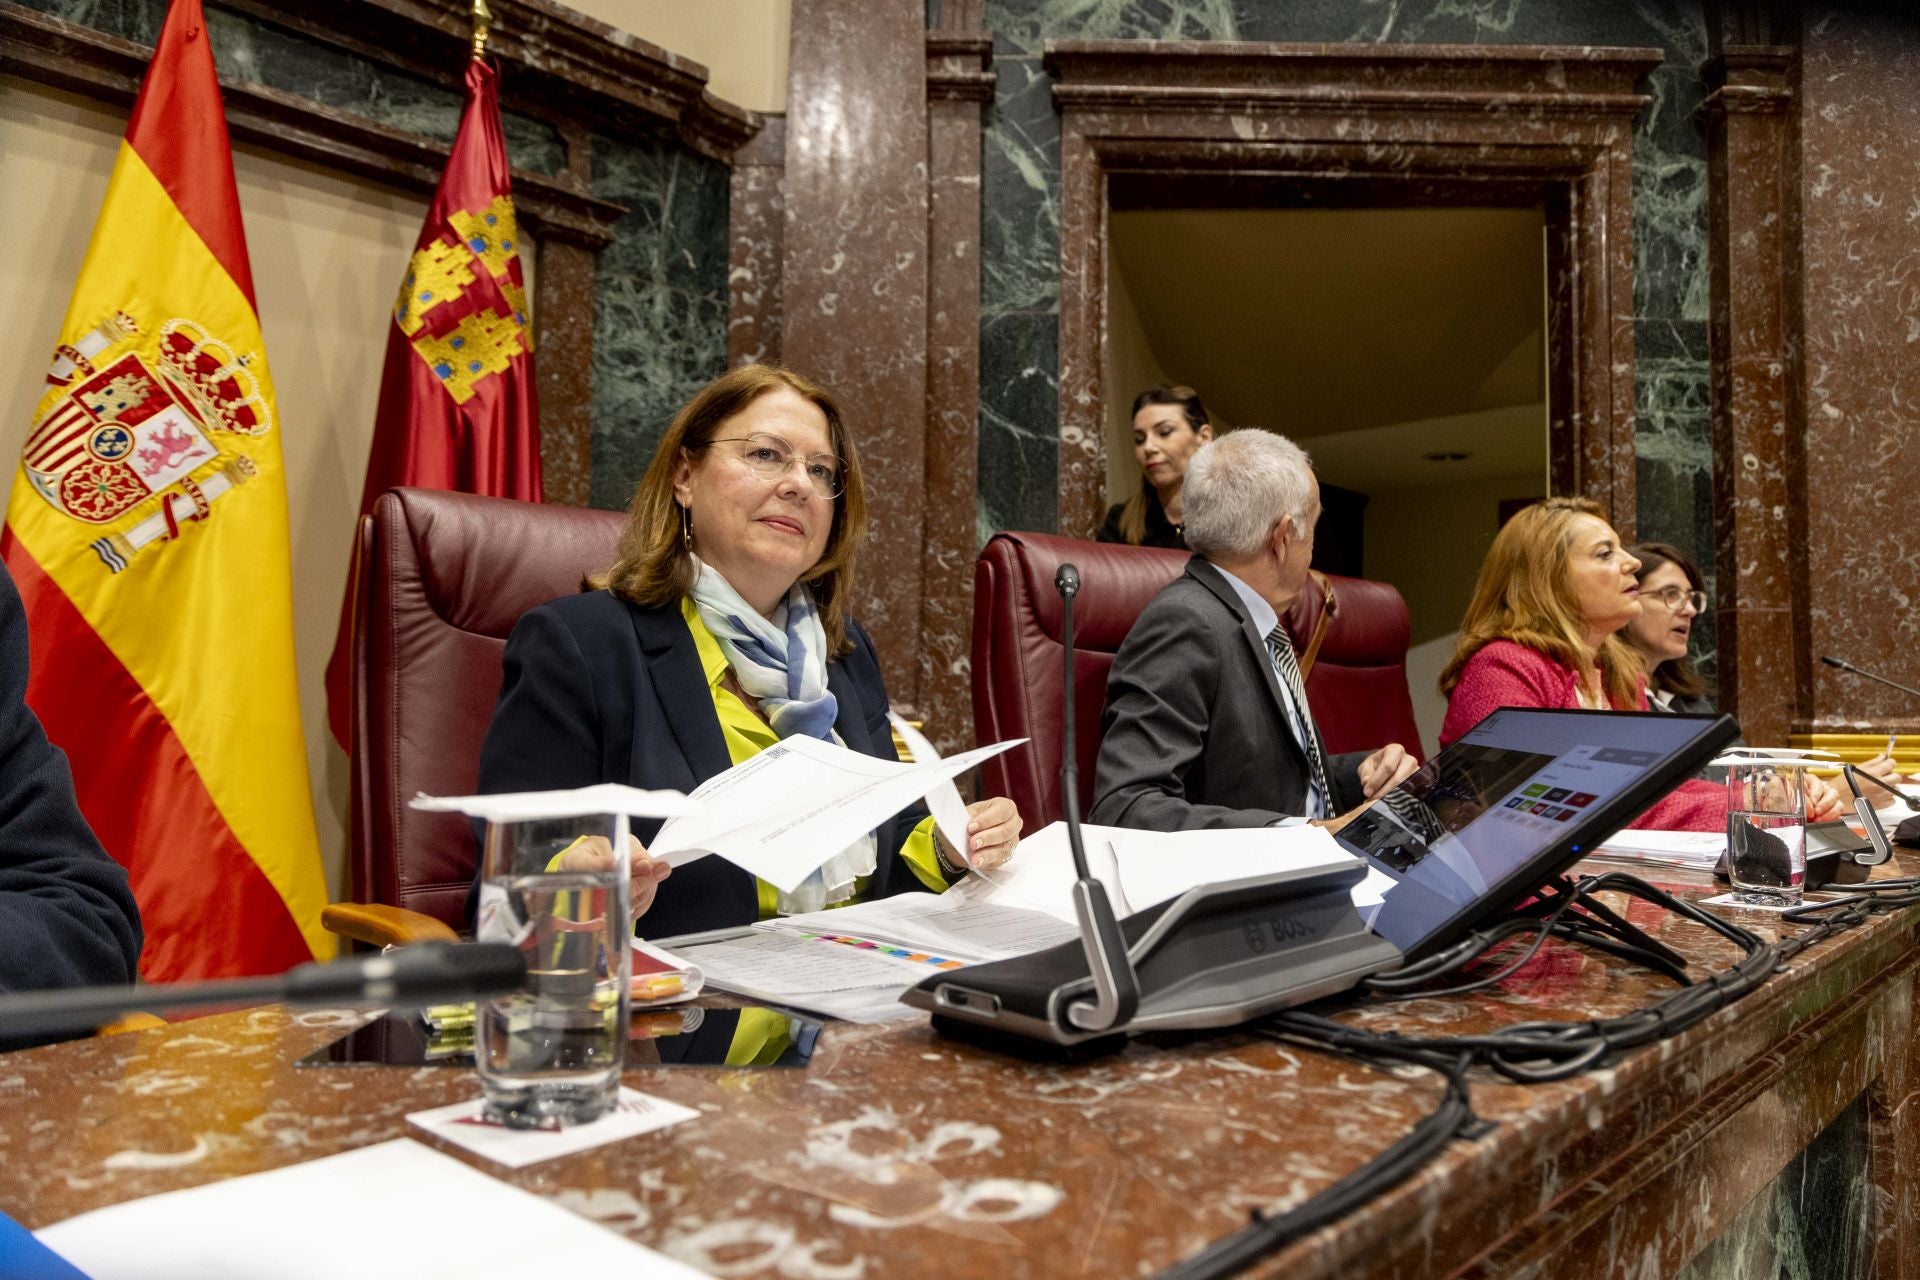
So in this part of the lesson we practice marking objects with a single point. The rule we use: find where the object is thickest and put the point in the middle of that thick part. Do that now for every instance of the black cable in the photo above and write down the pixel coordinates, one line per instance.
(1452, 1117)
(1565, 919)
(1530, 1052)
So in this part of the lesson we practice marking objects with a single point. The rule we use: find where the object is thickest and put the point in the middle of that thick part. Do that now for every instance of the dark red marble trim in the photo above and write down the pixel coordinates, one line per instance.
(1616, 1174)
(958, 84)
(854, 284)
(1413, 124)
(756, 216)
(563, 368)
(1759, 445)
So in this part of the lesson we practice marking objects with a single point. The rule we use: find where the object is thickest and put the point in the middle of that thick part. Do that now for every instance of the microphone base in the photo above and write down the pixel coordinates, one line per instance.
(1217, 956)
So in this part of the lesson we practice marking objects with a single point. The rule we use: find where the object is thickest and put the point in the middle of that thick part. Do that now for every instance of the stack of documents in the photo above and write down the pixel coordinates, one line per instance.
(854, 962)
(1699, 849)
(779, 815)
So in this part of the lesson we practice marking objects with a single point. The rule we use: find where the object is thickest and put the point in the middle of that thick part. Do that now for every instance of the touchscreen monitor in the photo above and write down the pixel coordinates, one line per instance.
(1511, 804)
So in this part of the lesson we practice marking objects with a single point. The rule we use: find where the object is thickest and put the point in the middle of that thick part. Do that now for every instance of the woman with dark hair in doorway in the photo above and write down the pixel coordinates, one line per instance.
(1169, 426)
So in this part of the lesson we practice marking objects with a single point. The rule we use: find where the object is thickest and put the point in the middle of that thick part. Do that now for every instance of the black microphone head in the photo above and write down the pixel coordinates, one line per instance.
(484, 968)
(1067, 580)
(1832, 661)
(422, 974)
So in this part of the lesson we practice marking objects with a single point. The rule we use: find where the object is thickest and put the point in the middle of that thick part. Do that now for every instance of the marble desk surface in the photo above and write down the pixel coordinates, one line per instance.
(898, 1152)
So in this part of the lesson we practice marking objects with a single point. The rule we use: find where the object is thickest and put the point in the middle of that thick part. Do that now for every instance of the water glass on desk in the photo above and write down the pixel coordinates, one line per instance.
(1767, 832)
(550, 1053)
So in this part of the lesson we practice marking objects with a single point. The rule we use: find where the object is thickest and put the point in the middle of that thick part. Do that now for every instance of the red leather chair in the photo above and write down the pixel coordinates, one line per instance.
(443, 579)
(1357, 688)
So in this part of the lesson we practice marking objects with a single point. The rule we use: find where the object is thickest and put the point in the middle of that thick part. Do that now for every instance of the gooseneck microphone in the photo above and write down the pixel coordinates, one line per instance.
(1843, 665)
(1115, 986)
(424, 974)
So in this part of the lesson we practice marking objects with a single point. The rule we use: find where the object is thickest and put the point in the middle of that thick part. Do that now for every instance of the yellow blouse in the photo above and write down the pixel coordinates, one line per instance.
(747, 735)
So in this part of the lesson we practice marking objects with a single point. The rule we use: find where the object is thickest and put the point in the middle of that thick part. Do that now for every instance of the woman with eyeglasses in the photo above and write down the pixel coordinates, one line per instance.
(723, 627)
(1672, 595)
(1544, 628)
(1672, 598)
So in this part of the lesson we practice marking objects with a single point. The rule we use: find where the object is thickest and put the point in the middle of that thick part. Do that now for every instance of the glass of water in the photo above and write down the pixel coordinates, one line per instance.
(1767, 832)
(550, 1053)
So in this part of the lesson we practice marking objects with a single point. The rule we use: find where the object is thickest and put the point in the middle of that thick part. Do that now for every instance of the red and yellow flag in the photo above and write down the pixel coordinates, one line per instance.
(147, 530)
(457, 406)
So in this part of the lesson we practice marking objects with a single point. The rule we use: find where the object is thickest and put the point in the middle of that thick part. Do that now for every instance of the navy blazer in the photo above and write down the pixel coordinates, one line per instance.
(67, 917)
(596, 689)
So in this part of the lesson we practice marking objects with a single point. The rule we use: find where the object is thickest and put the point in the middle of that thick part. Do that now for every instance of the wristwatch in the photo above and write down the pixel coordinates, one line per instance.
(947, 866)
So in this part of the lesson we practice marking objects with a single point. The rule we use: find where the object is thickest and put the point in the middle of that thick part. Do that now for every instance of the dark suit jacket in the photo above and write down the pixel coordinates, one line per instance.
(599, 690)
(67, 917)
(1194, 733)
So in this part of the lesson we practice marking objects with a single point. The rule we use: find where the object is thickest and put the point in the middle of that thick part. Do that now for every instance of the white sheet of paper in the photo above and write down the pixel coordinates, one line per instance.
(943, 802)
(415, 1210)
(799, 802)
(1151, 867)
(950, 924)
(785, 968)
(462, 1124)
(1687, 848)
(521, 806)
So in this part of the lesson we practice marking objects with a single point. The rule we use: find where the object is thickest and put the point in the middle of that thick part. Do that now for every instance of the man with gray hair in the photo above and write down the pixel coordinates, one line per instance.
(1207, 723)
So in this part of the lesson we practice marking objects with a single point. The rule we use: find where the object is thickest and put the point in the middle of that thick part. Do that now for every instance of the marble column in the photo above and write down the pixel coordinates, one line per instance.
(1859, 126)
(854, 280)
(756, 234)
(958, 86)
(563, 354)
(1759, 451)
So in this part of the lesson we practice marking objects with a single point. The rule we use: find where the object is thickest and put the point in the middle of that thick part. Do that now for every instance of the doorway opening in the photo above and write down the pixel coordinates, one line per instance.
(1405, 349)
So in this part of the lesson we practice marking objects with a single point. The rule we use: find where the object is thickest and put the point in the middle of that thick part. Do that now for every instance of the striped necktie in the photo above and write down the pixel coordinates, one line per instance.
(1281, 646)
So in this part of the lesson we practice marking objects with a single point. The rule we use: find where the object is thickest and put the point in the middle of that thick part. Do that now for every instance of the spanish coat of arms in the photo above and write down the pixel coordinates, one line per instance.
(128, 429)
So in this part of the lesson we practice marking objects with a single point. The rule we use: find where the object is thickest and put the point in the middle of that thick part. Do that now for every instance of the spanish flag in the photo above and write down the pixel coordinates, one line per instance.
(147, 530)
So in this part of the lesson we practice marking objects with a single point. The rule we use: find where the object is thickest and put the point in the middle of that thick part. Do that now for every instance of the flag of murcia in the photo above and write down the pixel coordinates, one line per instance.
(457, 406)
(147, 532)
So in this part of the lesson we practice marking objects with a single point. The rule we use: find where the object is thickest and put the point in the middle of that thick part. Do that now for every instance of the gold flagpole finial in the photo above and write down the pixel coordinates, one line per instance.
(482, 27)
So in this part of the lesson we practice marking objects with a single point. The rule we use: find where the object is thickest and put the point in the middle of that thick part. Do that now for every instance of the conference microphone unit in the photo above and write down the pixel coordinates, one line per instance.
(1216, 956)
(1843, 665)
(427, 973)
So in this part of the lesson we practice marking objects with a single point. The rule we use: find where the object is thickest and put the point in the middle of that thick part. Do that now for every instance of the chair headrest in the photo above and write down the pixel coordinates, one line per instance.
(1116, 581)
(485, 561)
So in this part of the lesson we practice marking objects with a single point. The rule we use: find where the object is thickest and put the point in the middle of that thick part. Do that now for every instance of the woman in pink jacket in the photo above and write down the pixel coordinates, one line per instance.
(1542, 631)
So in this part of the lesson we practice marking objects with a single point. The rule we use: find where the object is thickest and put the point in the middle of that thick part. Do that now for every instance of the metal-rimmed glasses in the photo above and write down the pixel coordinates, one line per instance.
(1675, 597)
(770, 457)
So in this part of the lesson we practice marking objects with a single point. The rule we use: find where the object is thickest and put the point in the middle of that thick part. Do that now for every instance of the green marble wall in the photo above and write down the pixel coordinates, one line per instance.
(1814, 1223)
(660, 302)
(660, 319)
(250, 51)
(1020, 240)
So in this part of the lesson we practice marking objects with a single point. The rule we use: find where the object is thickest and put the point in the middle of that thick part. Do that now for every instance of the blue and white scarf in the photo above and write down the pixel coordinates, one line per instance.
(781, 662)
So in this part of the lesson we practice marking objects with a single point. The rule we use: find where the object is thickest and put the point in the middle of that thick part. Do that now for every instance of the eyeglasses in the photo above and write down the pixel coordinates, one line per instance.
(1674, 597)
(770, 458)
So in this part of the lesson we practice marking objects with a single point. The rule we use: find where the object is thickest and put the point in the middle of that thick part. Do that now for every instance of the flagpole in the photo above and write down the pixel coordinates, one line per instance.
(482, 27)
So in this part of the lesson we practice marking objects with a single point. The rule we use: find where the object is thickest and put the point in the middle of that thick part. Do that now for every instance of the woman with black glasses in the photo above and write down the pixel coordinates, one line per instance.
(1672, 596)
(723, 626)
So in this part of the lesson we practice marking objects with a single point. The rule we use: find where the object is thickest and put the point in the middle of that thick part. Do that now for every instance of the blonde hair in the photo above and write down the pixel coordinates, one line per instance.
(652, 565)
(1523, 595)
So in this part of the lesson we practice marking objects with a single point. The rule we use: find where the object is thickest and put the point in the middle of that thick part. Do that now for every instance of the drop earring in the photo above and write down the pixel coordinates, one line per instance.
(686, 529)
